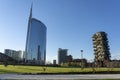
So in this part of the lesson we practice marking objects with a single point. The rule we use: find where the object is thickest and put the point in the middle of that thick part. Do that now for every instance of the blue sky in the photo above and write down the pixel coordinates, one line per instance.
(70, 24)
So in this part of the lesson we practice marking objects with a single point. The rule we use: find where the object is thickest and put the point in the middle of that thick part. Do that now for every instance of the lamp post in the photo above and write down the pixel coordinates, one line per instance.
(81, 58)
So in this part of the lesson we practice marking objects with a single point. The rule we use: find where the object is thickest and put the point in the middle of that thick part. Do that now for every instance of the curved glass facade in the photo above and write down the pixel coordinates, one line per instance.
(36, 42)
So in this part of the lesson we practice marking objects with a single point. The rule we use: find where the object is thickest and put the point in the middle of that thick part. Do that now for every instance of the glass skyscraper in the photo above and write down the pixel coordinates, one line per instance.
(35, 42)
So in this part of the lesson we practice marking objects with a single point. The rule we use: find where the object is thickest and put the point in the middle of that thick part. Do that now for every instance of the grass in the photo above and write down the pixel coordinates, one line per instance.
(39, 69)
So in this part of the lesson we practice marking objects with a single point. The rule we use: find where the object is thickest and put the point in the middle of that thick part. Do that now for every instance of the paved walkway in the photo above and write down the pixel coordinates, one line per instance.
(55, 77)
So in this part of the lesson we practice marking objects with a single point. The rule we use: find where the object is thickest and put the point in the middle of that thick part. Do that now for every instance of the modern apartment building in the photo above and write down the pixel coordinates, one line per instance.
(17, 55)
(62, 55)
(35, 42)
(101, 49)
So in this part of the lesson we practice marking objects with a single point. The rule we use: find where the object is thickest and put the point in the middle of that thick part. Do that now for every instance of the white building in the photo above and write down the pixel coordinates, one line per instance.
(17, 55)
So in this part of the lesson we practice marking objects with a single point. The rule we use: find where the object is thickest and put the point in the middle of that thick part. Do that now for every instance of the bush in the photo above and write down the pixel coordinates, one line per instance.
(71, 64)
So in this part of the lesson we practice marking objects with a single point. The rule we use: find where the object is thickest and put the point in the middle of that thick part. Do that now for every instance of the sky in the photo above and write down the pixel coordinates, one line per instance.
(70, 25)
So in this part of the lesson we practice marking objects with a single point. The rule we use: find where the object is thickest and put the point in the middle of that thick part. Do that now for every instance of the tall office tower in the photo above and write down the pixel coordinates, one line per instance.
(35, 42)
(62, 55)
(101, 49)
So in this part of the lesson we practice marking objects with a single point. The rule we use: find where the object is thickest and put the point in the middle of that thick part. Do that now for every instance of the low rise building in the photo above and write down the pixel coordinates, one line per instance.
(54, 62)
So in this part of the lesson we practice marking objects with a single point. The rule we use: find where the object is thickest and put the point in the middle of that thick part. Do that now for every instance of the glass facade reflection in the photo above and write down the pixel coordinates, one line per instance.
(36, 42)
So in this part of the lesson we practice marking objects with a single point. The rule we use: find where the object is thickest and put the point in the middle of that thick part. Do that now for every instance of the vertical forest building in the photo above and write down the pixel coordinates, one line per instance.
(101, 49)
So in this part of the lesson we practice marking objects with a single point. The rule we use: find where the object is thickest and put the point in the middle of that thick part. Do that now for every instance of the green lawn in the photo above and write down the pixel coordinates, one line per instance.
(38, 69)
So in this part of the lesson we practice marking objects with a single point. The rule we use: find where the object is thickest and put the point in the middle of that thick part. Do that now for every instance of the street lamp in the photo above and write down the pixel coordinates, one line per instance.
(81, 54)
(81, 58)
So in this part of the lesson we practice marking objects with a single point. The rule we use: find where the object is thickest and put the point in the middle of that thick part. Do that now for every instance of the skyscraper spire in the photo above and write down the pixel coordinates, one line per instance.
(31, 12)
(28, 31)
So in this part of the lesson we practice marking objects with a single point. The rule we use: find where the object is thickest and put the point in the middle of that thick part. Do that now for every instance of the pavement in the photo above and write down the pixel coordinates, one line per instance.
(60, 77)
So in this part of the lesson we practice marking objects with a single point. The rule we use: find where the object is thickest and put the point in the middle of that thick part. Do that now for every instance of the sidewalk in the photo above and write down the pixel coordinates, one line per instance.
(55, 77)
